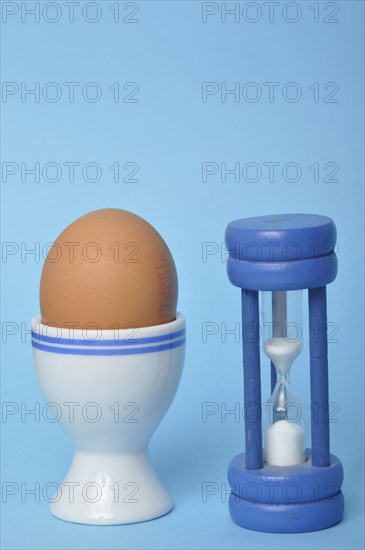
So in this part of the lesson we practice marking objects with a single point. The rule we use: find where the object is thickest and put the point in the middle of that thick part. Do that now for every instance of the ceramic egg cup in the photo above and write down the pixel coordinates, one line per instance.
(112, 391)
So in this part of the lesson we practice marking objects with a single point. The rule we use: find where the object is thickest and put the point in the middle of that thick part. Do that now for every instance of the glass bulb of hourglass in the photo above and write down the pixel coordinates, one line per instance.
(284, 434)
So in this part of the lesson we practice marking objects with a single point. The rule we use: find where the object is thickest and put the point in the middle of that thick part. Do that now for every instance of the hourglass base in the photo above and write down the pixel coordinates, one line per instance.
(295, 499)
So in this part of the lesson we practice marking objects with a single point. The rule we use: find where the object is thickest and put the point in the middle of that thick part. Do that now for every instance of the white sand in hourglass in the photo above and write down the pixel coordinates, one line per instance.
(284, 445)
(282, 353)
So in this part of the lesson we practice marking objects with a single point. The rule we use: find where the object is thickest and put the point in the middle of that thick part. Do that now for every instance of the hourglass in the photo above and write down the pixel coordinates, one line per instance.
(281, 330)
(284, 487)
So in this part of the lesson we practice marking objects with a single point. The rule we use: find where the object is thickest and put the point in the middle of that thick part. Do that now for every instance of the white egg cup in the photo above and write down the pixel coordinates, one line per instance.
(111, 390)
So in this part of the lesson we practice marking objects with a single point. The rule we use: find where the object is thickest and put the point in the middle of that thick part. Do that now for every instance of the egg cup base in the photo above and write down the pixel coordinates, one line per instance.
(111, 489)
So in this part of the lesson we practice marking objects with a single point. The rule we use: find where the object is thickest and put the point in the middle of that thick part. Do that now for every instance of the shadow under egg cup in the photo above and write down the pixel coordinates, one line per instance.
(111, 389)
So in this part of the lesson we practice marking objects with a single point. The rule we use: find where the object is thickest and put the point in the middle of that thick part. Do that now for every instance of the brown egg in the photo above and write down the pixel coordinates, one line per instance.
(108, 269)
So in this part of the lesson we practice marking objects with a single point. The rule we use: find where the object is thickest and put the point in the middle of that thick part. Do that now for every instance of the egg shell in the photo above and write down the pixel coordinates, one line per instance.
(108, 269)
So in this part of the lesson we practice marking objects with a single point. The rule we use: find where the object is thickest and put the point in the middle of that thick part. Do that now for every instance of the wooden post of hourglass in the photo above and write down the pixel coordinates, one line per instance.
(319, 376)
(278, 254)
(252, 381)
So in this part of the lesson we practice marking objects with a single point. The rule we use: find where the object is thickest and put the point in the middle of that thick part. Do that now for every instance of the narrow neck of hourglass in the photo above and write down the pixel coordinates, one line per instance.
(283, 378)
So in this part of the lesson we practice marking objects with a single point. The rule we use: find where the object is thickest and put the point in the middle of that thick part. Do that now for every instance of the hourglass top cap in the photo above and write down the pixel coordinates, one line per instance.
(281, 251)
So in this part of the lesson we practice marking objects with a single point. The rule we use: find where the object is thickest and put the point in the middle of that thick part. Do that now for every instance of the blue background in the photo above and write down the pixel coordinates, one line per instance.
(169, 133)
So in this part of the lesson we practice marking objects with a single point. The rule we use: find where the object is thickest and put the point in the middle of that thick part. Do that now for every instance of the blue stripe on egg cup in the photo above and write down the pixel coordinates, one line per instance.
(72, 346)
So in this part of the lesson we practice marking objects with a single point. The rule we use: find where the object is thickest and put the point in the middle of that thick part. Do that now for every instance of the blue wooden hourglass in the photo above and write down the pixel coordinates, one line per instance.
(284, 488)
